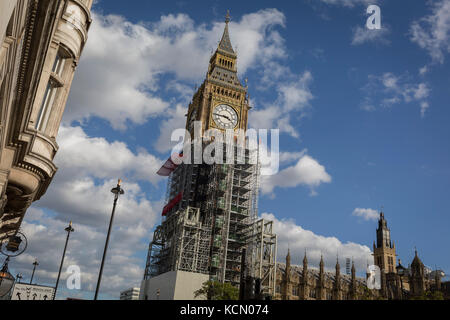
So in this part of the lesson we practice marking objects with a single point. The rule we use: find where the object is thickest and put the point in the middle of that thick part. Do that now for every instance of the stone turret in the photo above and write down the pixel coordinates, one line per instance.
(417, 278)
(304, 282)
(353, 289)
(321, 284)
(337, 294)
(287, 278)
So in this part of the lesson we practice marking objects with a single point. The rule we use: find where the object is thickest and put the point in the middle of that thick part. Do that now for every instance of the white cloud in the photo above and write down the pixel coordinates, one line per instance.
(362, 35)
(432, 32)
(82, 155)
(176, 120)
(367, 214)
(46, 239)
(294, 98)
(390, 89)
(307, 172)
(423, 108)
(85, 201)
(297, 94)
(424, 70)
(367, 105)
(119, 74)
(81, 192)
(349, 3)
(292, 236)
(264, 118)
(287, 157)
(115, 81)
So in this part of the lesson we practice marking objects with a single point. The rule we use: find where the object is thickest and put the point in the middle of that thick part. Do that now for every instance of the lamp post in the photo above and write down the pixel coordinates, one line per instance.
(6, 279)
(401, 273)
(19, 277)
(69, 229)
(117, 191)
(35, 264)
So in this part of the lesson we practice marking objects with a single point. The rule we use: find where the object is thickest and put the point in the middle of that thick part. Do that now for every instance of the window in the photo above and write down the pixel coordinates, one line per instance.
(10, 27)
(44, 112)
(295, 291)
(58, 66)
(51, 91)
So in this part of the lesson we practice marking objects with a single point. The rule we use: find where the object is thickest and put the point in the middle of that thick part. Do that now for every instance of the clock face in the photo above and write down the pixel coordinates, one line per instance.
(225, 117)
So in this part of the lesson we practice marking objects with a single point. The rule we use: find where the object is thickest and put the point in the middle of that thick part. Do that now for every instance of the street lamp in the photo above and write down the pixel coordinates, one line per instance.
(35, 264)
(6, 279)
(117, 191)
(69, 229)
(401, 273)
(19, 277)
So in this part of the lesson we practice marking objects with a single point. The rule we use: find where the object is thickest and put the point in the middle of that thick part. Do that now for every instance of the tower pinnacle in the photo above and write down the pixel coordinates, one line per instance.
(227, 17)
(225, 43)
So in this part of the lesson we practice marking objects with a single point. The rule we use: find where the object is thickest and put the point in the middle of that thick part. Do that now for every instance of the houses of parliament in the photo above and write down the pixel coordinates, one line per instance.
(397, 282)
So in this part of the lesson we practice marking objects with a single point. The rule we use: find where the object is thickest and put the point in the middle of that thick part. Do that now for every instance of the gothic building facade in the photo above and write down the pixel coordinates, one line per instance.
(40, 45)
(306, 283)
(396, 282)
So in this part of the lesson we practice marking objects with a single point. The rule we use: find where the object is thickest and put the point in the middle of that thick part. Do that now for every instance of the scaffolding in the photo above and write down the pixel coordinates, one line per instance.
(264, 252)
(214, 218)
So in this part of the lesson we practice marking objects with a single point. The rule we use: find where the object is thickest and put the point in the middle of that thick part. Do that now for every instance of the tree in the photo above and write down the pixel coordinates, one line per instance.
(215, 290)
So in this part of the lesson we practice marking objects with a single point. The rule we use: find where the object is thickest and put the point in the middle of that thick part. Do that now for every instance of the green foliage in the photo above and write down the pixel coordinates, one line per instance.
(366, 294)
(430, 295)
(215, 290)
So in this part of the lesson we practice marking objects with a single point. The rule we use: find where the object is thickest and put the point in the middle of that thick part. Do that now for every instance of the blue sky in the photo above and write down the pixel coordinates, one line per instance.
(363, 117)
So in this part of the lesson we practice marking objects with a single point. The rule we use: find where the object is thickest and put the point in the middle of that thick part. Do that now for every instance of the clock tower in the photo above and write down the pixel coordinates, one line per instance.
(210, 220)
(384, 249)
(221, 102)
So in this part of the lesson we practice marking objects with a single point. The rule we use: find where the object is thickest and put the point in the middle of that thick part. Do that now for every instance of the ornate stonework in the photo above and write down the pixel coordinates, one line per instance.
(221, 87)
(305, 283)
(42, 43)
(397, 282)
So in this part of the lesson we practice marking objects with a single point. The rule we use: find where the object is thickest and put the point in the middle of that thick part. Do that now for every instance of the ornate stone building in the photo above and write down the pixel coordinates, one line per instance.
(397, 282)
(41, 44)
(306, 283)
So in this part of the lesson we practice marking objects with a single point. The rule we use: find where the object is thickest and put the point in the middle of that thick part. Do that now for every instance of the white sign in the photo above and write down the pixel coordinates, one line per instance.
(24, 291)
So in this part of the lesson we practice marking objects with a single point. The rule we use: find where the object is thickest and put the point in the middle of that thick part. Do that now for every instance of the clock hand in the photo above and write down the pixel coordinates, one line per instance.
(223, 116)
